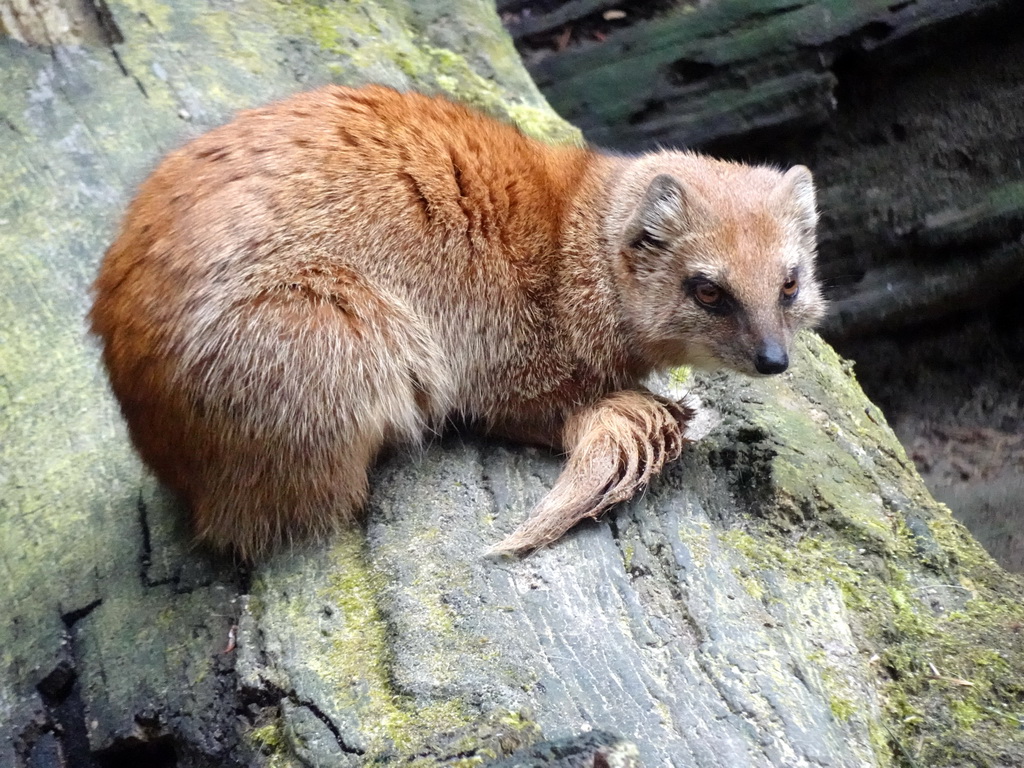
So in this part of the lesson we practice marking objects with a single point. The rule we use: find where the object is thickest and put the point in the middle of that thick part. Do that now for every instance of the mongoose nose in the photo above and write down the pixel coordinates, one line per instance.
(772, 358)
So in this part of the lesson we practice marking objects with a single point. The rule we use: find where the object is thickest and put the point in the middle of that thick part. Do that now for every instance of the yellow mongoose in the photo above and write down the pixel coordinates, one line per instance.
(348, 268)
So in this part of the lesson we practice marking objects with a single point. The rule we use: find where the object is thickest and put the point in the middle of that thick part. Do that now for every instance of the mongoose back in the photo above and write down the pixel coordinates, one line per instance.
(349, 268)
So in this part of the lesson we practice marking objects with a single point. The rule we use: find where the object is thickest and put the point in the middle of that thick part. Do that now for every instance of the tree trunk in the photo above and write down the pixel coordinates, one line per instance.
(787, 594)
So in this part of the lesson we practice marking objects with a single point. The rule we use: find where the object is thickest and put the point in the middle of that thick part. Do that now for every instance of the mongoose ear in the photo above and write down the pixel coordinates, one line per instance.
(796, 195)
(661, 216)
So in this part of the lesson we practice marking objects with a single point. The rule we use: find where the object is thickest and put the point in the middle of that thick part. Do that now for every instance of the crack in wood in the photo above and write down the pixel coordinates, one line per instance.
(322, 716)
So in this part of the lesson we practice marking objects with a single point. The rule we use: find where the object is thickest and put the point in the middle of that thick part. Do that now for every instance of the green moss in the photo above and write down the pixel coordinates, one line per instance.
(544, 124)
(517, 722)
(342, 642)
(842, 709)
(681, 374)
(948, 669)
(907, 618)
(929, 608)
(814, 559)
(947, 679)
(751, 584)
(628, 551)
(333, 28)
(369, 43)
(360, 661)
(158, 15)
(964, 551)
(220, 28)
(351, 658)
(455, 77)
(268, 738)
(697, 538)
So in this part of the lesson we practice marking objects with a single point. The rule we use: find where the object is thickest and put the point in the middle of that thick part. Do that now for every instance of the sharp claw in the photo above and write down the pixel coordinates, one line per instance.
(615, 454)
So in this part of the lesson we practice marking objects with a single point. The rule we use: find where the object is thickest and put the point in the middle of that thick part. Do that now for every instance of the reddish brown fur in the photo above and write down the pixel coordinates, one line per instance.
(347, 269)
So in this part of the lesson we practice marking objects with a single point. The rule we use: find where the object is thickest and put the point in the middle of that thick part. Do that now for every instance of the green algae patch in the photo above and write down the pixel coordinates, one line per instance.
(954, 683)
(938, 626)
(361, 662)
(268, 739)
(697, 539)
(368, 42)
(815, 560)
(842, 708)
(453, 75)
(322, 623)
(950, 682)
(542, 123)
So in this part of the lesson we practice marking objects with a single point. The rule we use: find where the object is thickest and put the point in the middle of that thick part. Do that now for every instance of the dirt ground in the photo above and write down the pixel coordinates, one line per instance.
(954, 394)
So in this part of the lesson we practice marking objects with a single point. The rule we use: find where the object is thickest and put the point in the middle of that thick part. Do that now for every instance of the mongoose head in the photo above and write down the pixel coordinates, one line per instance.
(716, 261)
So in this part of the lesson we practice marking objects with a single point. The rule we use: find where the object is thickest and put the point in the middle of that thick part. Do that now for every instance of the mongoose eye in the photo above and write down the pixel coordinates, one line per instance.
(709, 295)
(790, 289)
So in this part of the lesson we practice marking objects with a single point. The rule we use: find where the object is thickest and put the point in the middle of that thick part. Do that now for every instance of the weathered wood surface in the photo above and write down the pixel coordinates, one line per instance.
(911, 114)
(787, 595)
(710, 71)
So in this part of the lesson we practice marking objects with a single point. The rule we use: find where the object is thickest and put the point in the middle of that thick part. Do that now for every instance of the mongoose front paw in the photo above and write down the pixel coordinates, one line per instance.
(615, 447)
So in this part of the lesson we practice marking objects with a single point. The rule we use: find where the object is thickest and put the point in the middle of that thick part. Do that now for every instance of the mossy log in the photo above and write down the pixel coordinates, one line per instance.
(709, 71)
(787, 594)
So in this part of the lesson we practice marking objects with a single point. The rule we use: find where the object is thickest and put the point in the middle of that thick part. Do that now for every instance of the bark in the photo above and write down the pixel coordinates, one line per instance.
(786, 594)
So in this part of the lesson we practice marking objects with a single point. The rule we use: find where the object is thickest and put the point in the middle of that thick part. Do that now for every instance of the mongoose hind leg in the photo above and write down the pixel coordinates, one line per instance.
(615, 447)
(283, 403)
(269, 495)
